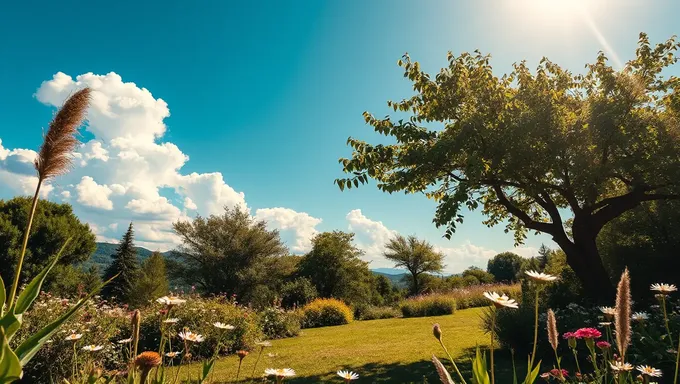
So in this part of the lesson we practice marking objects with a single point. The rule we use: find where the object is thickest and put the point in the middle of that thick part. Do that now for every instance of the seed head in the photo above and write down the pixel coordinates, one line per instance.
(623, 314)
(437, 332)
(552, 329)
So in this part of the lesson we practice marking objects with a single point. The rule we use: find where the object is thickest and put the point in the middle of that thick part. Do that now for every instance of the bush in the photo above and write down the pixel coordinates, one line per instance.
(473, 296)
(277, 323)
(428, 305)
(374, 312)
(297, 293)
(326, 312)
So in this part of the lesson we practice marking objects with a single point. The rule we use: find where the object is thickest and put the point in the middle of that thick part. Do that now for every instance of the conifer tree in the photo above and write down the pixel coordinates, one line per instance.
(152, 282)
(124, 264)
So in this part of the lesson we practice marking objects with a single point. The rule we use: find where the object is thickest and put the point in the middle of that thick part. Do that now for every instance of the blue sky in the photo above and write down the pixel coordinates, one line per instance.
(261, 97)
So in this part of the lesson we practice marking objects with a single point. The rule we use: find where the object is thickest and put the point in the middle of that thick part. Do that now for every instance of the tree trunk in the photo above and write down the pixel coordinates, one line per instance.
(584, 258)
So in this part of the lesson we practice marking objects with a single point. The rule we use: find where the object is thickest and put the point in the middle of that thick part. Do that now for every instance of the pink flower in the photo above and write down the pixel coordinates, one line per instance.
(603, 345)
(569, 335)
(588, 333)
(556, 373)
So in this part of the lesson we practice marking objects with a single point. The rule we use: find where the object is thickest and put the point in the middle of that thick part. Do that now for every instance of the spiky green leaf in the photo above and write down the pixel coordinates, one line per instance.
(32, 291)
(10, 367)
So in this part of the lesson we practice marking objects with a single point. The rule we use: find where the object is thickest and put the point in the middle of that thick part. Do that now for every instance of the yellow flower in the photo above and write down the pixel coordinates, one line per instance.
(500, 301)
(348, 375)
(649, 371)
(190, 336)
(540, 276)
(279, 372)
(663, 288)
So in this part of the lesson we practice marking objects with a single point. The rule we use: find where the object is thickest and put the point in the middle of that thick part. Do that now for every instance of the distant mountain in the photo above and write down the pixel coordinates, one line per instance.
(390, 271)
(102, 255)
(398, 281)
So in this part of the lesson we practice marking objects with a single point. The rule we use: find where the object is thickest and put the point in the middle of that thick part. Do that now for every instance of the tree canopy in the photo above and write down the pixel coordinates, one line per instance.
(415, 255)
(533, 148)
(505, 266)
(53, 224)
(231, 253)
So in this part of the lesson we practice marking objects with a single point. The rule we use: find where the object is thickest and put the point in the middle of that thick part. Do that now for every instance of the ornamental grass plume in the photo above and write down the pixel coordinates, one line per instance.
(441, 371)
(54, 158)
(552, 329)
(623, 314)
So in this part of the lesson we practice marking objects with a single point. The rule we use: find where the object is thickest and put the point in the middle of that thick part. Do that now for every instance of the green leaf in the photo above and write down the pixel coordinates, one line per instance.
(10, 323)
(32, 291)
(32, 345)
(10, 367)
(533, 374)
(479, 371)
(207, 367)
(3, 296)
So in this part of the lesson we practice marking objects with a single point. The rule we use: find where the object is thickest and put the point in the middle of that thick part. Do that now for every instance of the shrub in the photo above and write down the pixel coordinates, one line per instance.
(428, 305)
(297, 293)
(277, 323)
(326, 312)
(375, 312)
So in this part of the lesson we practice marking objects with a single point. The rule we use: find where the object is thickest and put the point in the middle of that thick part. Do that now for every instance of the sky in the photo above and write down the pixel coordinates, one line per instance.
(206, 104)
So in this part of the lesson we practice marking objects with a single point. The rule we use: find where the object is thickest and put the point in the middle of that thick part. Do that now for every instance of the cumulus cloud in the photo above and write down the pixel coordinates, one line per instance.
(91, 194)
(300, 224)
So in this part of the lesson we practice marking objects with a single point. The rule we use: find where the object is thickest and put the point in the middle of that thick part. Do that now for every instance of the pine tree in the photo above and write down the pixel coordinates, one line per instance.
(152, 282)
(126, 266)
(543, 255)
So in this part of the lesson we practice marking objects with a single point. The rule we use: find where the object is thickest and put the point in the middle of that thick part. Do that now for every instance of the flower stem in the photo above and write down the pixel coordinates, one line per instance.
(578, 367)
(533, 352)
(559, 367)
(677, 363)
(17, 273)
(256, 361)
(452, 362)
(665, 319)
(493, 332)
(238, 371)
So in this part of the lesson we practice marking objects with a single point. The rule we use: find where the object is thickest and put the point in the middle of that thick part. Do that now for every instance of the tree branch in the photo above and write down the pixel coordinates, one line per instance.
(520, 214)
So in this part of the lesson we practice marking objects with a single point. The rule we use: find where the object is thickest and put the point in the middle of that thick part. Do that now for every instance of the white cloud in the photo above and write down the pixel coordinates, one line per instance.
(94, 195)
(189, 204)
(301, 224)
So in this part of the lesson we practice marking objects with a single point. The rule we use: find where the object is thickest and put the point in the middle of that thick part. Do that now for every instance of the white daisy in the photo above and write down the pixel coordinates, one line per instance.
(540, 276)
(609, 311)
(640, 316)
(73, 337)
(171, 320)
(264, 344)
(173, 354)
(279, 372)
(500, 301)
(227, 327)
(663, 288)
(621, 367)
(649, 371)
(170, 300)
(190, 336)
(348, 375)
(125, 341)
(93, 348)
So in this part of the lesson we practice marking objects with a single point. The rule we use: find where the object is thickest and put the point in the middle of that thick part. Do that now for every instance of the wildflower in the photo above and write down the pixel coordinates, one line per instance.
(93, 348)
(605, 324)
(227, 327)
(608, 311)
(540, 276)
(170, 300)
(437, 332)
(279, 372)
(125, 341)
(618, 366)
(264, 344)
(190, 336)
(500, 301)
(73, 337)
(603, 345)
(545, 376)
(649, 371)
(241, 354)
(622, 317)
(348, 375)
(172, 355)
(557, 372)
(571, 339)
(640, 316)
(588, 333)
(171, 320)
(664, 289)
(552, 329)
(146, 361)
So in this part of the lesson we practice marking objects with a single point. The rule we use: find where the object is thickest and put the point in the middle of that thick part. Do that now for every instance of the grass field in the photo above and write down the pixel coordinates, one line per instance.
(392, 350)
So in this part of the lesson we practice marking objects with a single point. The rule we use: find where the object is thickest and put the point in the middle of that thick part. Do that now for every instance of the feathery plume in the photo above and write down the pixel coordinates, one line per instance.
(623, 314)
(54, 157)
(441, 371)
(552, 329)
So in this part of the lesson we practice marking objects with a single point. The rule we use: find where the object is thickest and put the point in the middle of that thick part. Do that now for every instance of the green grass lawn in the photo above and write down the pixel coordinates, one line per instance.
(392, 350)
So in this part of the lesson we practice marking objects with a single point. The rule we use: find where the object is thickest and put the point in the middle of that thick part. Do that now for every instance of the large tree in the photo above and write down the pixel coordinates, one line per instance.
(53, 224)
(415, 255)
(546, 151)
(231, 253)
(505, 266)
(126, 266)
(335, 268)
(152, 282)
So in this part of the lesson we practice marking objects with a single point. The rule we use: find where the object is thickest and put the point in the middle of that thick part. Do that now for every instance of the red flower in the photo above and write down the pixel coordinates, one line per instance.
(569, 335)
(588, 333)
(556, 373)
(603, 345)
